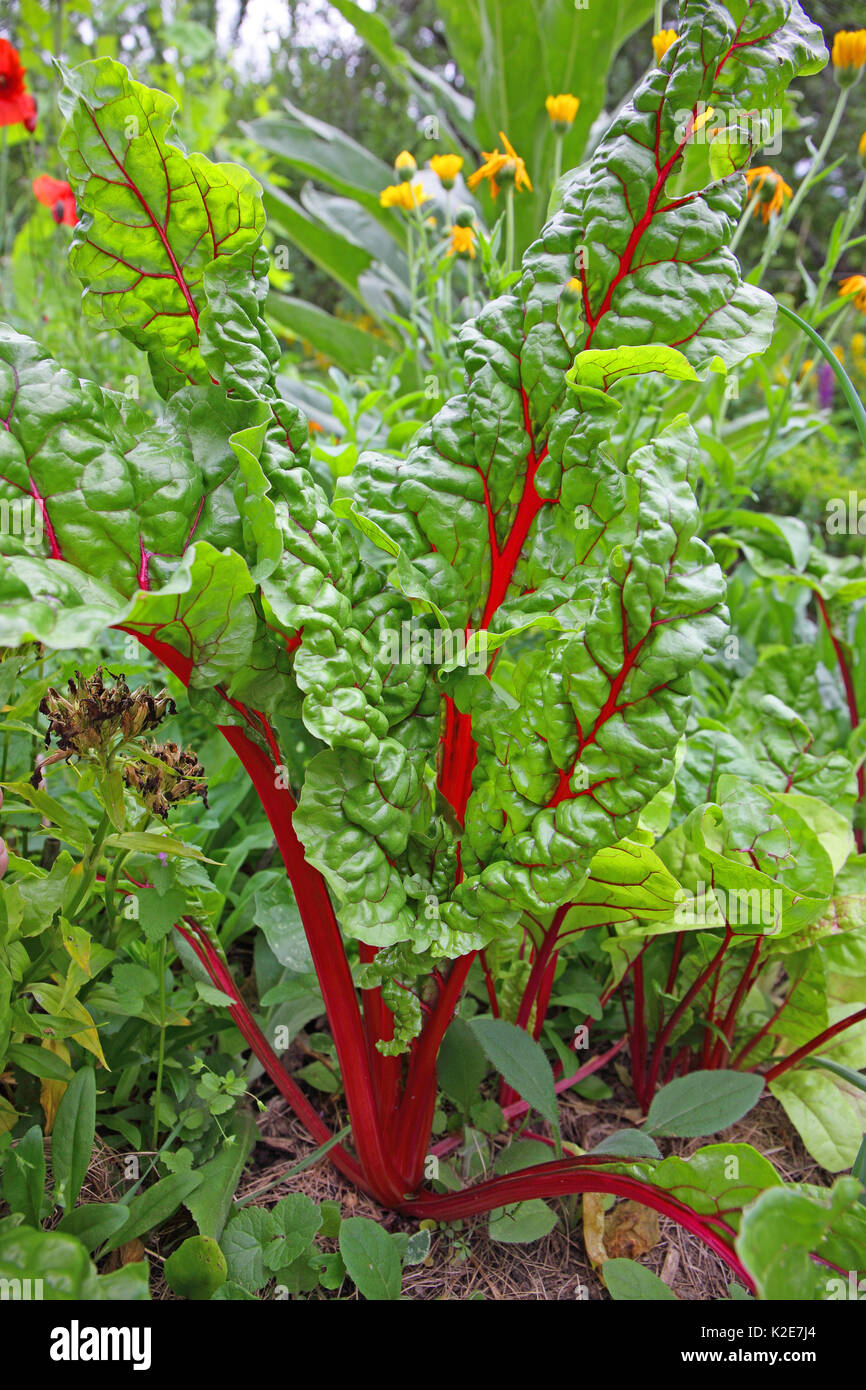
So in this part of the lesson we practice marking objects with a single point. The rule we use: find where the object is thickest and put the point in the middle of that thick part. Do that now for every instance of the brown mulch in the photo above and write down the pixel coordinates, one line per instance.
(464, 1263)
(555, 1268)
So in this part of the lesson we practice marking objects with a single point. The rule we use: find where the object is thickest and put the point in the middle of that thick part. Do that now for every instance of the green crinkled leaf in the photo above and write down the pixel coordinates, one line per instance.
(728, 1176)
(603, 368)
(152, 219)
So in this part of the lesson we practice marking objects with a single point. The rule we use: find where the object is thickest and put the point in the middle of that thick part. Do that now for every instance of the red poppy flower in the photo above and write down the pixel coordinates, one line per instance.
(17, 106)
(57, 196)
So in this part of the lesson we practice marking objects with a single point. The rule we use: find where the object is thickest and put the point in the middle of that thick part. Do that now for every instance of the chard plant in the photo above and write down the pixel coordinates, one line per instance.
(459, 684)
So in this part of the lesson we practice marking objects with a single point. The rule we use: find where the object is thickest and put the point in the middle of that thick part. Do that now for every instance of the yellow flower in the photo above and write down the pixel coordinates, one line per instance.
(446, 167)
(573, 292)
(405, 166)
(858, 344)
(861, 149)
(500, 168)
(562, 110)
(849, 55)
(770, 190)
(856, 285)
(462, 242)
(662, 41)
(402, 195)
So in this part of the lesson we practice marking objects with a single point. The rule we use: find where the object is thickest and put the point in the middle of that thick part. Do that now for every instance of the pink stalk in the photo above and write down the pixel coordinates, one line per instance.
(851, 697)
(814, 1043)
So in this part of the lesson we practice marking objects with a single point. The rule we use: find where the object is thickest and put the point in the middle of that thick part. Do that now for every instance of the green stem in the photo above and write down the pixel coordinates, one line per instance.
(90, 862)
(113, 876)
(784, 218)
(848, 389)
(741, 225)
(557, 159)
(509, 230)
(658, 11)
(161, 1054)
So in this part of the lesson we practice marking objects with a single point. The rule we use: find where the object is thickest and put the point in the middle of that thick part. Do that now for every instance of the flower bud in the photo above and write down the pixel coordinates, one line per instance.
(405, 166)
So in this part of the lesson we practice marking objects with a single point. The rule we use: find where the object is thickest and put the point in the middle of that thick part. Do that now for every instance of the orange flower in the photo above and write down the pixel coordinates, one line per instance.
(462, 241)
(770, 190)
(17, 106)
(500, 168)
(856, 285)
(57, 196)
(446, 167)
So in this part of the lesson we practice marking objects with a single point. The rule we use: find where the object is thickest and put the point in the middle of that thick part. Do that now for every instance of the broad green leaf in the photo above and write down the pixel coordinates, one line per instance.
(719, 1176)
(461, 1065)
(703, 1103)
(522, 1062)
(827, 1112)
(210, 1203)
(371, 1258)
(628, 1143)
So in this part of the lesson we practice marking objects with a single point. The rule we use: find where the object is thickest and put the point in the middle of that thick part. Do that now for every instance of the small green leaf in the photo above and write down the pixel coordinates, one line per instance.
(24, 1176)
(243, 1243)
(522, 1222)
(296, 1219)
(94, 1223)
(628, 1143)
(417, 1248)
(72, 1137)
(155, 1205)
(627, 1281)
